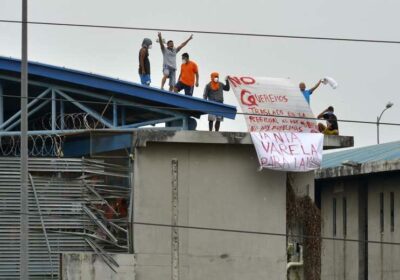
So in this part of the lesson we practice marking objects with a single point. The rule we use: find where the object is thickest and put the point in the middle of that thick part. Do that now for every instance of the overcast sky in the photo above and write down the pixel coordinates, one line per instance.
(367, 73)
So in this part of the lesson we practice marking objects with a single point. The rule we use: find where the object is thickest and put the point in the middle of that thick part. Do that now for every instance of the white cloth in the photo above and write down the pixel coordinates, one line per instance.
(330, 81)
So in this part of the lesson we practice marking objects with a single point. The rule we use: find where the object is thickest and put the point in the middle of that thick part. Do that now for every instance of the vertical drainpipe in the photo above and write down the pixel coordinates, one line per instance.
(174, 220)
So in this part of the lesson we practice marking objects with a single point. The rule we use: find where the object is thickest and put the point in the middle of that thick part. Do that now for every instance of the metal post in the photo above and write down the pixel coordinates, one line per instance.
(1, 105)
(53, 110)
(377, 129)
(62, 114)
(185, 123)
(24, 218)
(115, 114)
(123, 116)
(174, 220)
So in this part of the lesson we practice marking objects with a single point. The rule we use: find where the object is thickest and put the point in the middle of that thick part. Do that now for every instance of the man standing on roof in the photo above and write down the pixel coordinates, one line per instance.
(331, 127)
(144, 62)
(214, 91)
(169, 60)
(189, 76)
(307, 92)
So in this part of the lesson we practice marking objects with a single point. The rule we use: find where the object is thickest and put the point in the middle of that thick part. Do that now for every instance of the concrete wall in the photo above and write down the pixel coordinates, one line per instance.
(219, 187)
(351, 260)
(383, 260)
(303, 183)
(340, 259)
(87, 266)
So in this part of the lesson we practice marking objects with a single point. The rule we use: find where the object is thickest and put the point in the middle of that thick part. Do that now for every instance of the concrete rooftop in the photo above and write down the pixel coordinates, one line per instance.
(141, 137)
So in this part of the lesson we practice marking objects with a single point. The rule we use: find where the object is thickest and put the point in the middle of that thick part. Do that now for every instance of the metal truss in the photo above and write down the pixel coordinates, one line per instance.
(85, 116)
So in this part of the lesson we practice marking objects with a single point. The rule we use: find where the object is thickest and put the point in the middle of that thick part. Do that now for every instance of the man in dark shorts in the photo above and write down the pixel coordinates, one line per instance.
(189, 76)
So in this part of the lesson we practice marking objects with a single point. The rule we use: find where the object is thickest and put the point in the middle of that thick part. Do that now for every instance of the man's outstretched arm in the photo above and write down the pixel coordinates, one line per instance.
(161, 41)
(184, 43)
(315, 87)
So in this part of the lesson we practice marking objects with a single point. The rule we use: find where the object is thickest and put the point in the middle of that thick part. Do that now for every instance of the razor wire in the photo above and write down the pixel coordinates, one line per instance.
(71, 121)
(50, 144)
(38, 145)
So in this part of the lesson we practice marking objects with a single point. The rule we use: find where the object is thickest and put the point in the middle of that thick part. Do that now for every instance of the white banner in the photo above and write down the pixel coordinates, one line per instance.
(281, 123)
(288, 151)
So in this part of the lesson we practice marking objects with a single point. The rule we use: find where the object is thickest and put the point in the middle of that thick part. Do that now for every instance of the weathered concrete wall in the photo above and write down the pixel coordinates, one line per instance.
(383, 260)
(303, 183)
(87, 266)
(219, 187)
(340, 259)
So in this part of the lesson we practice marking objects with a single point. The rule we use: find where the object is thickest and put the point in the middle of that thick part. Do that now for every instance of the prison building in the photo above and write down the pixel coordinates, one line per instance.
(122, 186)
(359, 197)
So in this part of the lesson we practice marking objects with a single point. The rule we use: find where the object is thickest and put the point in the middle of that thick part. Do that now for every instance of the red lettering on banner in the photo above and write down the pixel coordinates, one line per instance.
(237, 81)
(254, 119)
(248, 80)
(275, 162)
(292, 149)
(314, 150)
(247, 98)
(304, 151)
(271, 98)
(294, 137)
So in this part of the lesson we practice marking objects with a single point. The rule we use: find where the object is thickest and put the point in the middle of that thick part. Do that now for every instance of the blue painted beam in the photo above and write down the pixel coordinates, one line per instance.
(81, 131)
(137, 125)
(95, 144)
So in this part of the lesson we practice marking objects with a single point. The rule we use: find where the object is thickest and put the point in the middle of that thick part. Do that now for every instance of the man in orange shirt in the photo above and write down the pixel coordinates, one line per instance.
(189, 76)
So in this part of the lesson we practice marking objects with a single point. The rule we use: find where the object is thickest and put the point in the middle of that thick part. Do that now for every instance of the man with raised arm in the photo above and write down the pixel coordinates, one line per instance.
(169, 60)
(307, 92)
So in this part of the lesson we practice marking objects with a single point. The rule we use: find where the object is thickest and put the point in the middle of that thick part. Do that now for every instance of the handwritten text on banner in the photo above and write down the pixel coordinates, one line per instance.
(281, 123)
(276, 103)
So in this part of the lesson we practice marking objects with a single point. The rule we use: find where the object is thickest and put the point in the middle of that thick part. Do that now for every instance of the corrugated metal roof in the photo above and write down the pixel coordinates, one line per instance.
(387, 151)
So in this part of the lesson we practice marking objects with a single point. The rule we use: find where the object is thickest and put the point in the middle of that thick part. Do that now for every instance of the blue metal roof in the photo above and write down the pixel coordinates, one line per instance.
(148, 95)
(387, 151)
